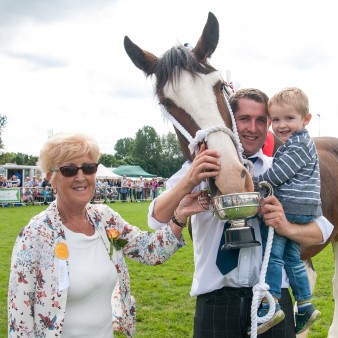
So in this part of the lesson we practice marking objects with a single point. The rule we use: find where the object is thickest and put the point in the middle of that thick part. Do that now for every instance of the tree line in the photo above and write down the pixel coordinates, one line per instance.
(158, 155)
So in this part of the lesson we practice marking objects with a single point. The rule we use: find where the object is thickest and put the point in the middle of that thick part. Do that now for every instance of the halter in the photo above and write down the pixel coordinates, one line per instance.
(202, 134)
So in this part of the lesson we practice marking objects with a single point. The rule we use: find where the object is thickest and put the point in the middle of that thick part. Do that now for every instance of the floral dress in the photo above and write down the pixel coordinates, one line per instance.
(37, 293)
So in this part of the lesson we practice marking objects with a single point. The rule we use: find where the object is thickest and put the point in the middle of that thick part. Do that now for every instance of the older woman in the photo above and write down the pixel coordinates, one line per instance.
(67, 262)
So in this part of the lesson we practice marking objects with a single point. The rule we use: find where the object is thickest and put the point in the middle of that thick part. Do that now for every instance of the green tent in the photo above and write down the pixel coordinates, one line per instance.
(132, 171)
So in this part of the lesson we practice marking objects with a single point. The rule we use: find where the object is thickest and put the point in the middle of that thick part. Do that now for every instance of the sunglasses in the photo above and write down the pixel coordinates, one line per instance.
(72, 170)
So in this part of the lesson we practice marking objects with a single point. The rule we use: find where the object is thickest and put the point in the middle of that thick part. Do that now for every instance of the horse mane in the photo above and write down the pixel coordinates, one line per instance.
(170, 66)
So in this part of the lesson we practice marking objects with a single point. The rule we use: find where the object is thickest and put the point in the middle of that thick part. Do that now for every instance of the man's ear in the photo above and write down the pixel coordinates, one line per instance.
(307, 119)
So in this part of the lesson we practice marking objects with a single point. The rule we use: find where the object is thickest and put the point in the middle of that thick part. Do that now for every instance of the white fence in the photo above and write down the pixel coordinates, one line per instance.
(104, 194)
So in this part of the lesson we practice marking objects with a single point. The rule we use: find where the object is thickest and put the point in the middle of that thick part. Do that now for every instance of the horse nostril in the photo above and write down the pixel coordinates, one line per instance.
(243, 174)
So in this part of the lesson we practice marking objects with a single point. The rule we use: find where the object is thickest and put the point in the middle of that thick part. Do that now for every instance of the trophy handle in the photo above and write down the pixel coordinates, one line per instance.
(265, 188)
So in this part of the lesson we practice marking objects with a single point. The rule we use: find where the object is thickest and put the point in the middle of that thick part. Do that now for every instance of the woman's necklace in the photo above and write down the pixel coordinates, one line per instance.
(74, 226)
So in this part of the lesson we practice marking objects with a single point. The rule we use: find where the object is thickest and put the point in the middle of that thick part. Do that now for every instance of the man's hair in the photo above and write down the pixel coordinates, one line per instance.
(250, 94)
(292, 96)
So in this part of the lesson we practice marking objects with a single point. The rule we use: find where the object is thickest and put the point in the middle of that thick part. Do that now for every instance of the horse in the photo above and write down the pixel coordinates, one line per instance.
(193, 96)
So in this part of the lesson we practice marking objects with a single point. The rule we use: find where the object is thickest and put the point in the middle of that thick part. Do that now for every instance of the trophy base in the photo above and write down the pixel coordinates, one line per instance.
(237, 238)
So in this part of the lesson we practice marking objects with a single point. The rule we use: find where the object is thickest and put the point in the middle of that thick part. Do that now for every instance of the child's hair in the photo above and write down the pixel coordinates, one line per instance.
(292, 96)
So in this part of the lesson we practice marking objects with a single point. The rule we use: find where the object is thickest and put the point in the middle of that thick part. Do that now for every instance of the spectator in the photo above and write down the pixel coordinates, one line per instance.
(117, 184)
(124, 189)
(27, 193)
(40, 180)
(15, 182)
(146, 189)
(9, 183)
(47, 194)
(34, 181)
(142, 188)
(154, 185)
(3, 183)
(139, 190)
(45, 183)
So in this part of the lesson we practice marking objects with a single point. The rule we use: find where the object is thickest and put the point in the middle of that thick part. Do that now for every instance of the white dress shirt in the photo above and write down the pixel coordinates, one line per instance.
(207, 232)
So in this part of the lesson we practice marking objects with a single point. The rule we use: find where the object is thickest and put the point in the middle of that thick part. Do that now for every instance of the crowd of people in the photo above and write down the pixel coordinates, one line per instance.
(35, 190)
(12, 182)
(128, 189)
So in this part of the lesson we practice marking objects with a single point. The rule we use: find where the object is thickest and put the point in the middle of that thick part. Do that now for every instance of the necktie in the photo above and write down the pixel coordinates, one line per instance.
(253, 159)
(226, 260)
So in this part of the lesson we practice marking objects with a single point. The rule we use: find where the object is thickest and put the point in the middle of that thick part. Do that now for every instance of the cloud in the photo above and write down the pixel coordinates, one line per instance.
(309, 58)
(16, 12)
(38, 61)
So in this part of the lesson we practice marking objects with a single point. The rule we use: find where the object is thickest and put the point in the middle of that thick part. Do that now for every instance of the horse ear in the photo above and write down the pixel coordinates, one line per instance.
(208, 41)
(141, 59)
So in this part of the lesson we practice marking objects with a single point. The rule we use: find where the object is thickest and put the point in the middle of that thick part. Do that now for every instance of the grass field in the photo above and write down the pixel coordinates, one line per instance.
(164, 306)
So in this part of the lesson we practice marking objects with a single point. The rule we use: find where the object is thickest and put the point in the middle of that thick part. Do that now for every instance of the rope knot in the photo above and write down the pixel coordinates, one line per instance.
(261, 288)
(201, 135)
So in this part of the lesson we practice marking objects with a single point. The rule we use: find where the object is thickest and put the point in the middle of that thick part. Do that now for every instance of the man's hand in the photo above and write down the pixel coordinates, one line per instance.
(273, 214)
(205, 165)
(304, 234)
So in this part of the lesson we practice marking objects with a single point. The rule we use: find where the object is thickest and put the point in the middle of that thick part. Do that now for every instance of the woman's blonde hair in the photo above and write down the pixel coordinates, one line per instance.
(67, 147)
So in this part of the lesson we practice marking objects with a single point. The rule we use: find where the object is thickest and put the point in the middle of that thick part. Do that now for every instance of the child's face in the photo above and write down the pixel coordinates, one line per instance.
(285, 120)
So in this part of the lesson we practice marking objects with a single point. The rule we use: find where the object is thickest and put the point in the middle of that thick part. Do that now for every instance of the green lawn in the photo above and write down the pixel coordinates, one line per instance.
(164, 306)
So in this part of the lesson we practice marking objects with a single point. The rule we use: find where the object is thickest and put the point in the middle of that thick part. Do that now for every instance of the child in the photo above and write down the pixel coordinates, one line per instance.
(295, 177)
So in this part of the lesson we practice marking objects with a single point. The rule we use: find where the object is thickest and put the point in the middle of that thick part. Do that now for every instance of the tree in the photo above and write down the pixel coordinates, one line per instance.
(24, 159)
(124, 148)
(148, 149)
(171, 147)
(172, 155)
(18, 158)
(108, 160)
(7, 158)
(3, 121)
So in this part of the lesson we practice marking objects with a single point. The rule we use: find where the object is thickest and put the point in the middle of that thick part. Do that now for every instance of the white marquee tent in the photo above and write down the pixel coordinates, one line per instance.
(105, 173)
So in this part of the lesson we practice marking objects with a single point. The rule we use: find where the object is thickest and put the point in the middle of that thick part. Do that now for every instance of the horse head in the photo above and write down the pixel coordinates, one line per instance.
(194, 97)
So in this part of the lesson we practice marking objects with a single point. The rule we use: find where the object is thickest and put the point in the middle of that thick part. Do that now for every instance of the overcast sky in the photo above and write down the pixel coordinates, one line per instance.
(63, 66)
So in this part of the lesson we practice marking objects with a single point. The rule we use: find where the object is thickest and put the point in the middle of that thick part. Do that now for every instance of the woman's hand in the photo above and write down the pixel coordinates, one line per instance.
(193, 203)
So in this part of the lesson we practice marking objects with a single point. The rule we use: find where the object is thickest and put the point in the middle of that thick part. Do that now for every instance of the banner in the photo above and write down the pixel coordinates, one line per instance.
(9, 195)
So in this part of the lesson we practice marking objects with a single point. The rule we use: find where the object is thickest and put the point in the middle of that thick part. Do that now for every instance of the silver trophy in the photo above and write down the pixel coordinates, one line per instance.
(237, 209)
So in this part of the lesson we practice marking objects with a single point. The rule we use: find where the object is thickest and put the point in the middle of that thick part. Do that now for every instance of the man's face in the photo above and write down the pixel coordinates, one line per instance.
(252, 124)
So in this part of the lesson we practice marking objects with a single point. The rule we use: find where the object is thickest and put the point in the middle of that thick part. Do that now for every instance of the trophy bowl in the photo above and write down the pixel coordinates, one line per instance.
(237, 209)
(236, 206)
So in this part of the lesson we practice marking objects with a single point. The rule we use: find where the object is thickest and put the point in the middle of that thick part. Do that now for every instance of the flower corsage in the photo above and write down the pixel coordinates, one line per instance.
(115, 241)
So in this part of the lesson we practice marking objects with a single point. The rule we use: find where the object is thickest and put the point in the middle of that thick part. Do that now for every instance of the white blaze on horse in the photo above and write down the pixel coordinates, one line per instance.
(192, 94)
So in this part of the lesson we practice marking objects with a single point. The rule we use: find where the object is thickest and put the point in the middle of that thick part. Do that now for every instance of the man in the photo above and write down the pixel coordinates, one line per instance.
(224, 295)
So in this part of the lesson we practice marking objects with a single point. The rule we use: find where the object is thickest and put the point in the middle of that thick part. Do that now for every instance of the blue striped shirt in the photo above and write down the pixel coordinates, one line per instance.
(295, 175)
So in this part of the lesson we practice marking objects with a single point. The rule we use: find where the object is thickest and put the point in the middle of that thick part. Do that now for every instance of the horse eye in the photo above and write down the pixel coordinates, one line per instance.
(166, 103)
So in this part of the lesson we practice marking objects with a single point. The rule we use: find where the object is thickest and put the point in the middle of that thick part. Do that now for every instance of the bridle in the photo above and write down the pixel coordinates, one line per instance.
(202, 134)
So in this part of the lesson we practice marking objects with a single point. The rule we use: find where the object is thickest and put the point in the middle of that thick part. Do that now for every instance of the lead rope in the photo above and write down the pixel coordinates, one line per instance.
(260, 290)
